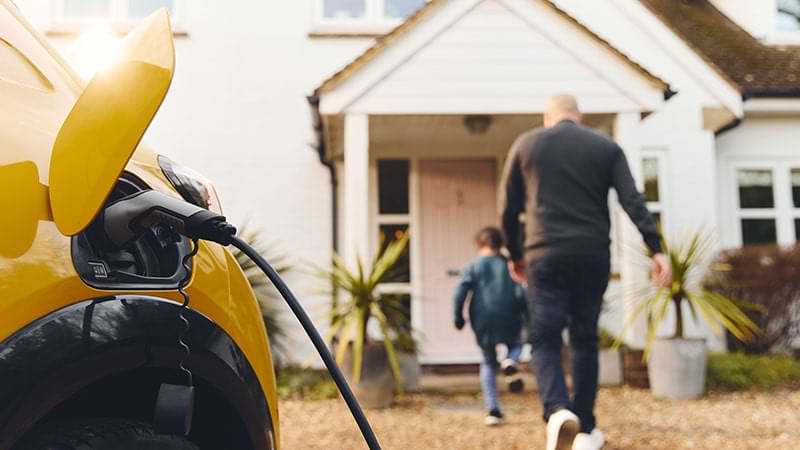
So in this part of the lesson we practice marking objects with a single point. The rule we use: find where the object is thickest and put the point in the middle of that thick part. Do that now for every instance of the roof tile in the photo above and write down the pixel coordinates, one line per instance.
(756, 69)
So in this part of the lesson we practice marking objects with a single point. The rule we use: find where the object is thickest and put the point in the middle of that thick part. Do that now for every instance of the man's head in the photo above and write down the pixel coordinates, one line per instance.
(561, 107)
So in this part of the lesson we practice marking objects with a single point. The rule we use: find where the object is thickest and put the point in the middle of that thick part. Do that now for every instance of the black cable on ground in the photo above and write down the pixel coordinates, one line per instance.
(316, 339)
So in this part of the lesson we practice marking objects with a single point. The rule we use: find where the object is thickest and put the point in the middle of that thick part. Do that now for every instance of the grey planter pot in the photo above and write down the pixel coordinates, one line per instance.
(375, 389)
(410, 370)
(610, 373)
(677, 368)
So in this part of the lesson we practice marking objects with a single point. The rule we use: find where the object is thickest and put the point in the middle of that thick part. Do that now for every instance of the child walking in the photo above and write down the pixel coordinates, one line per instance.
(496, 313)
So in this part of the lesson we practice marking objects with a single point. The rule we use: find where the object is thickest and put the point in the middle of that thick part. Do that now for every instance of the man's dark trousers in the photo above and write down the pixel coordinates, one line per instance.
(566, 291)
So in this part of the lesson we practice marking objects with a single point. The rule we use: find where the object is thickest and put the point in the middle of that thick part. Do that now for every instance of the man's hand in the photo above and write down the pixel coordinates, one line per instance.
(661, 274)
(459, 323)
(517, 271)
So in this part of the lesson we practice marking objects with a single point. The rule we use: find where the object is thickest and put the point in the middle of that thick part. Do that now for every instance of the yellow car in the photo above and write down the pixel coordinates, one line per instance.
(89, 331)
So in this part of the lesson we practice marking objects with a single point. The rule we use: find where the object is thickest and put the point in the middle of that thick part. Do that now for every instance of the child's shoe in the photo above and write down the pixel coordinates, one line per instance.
(494, 418)
(513, 377)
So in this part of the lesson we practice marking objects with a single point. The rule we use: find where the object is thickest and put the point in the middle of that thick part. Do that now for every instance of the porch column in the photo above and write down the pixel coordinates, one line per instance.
(356, 188)
(633, 265)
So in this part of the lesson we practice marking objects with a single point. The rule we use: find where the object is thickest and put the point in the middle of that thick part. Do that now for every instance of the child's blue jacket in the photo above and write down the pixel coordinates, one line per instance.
(497, 306)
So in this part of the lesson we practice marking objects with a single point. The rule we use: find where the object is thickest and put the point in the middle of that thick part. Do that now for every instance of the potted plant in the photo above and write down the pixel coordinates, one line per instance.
(677, 364)
(610, 360)
(372, 366)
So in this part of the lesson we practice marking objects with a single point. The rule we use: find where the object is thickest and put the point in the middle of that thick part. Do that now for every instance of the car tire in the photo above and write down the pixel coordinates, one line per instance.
(102, 434)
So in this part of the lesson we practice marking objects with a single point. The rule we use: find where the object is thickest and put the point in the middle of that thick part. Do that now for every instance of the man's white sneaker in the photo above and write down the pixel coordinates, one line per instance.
(562, 427)
(589, 441)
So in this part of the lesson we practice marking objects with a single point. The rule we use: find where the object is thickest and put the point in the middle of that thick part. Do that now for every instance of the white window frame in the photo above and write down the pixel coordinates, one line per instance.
(117, 19)
(374, 21)
(661, 206)
(777, 36)
(404, 287)
(783, 212)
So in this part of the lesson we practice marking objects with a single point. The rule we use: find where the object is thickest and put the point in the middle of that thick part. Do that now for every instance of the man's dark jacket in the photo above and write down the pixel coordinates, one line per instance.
(560, 178)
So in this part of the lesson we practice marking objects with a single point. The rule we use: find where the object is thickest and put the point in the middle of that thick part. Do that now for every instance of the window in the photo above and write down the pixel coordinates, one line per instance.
(768, 203)
(87, 8)
(393, 186)
(389, 233)
(652, 173)
(71, 16)
(788, 16)
(393, 211)
(359, 15)
(400, 9)
(757, 214)
(344, 9)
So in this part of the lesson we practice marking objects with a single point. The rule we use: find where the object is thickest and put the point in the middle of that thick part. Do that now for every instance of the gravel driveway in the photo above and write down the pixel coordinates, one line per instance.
(631, 418)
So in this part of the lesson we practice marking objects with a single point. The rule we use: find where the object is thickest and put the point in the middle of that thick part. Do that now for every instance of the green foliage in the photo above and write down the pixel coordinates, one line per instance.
(740, 371)
(606, 339)
(307, 384)
(269, 301)
(688, 260)
(363, 302)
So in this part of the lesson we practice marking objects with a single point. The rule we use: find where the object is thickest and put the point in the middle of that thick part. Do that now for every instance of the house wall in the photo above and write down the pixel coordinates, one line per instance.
(476, 64)
(237, 113)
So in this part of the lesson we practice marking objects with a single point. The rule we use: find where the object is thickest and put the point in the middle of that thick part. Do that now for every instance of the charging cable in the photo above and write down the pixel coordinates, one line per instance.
(127, 218)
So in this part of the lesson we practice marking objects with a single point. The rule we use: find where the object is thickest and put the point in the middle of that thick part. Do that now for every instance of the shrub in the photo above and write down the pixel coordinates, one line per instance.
(305, 383)
(767, 277)
(740, 371)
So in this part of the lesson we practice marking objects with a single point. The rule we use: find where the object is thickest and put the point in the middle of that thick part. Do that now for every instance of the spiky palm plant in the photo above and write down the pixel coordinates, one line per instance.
(360, 301)
(688, 260)
(269, 301)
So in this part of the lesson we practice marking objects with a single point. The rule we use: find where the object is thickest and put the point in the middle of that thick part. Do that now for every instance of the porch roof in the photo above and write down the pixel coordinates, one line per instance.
(387, 42)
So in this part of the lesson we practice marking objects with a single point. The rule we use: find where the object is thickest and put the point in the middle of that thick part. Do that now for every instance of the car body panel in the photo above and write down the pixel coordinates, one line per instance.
(112, 113)
(37, 275)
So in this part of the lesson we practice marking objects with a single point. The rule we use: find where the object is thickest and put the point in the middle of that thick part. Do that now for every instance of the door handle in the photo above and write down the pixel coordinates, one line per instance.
(453, 273)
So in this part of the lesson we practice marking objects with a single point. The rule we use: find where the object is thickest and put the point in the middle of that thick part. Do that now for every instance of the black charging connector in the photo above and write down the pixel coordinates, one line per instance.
(130, 216)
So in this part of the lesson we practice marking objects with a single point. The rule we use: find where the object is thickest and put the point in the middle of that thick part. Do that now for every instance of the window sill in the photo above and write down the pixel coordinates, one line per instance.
(351, 30)
(117, 27)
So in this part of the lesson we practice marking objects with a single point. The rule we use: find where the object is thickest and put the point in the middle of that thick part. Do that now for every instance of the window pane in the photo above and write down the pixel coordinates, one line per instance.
(797, 229)
(86, 8)
(344, 9)
(143, 8)
(402, 270)
(401, 9)
(788, 15)
(758, 231)
(393, 186)
(796, 187)
(650, 174)
(755, 188)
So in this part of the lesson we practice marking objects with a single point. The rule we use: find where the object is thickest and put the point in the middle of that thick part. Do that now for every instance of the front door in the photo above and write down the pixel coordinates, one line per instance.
(457, 198)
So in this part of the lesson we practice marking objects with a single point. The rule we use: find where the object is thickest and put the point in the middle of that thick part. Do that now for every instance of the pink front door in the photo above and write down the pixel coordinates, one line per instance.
(457, 198)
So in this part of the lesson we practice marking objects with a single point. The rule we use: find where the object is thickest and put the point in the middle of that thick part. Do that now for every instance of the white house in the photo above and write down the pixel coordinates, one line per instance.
(328, 122)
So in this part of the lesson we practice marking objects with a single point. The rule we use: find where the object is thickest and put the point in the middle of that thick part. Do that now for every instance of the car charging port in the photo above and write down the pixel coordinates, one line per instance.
(151, 261)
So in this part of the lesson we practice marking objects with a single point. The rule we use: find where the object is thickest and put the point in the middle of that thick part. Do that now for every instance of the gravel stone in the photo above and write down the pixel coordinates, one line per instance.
(630, 418)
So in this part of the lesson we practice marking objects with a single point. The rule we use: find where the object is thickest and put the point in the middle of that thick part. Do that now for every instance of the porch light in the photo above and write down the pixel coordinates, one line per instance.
(477, 124)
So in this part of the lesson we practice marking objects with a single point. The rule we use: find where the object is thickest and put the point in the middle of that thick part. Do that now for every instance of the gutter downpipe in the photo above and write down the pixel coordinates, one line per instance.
(320, 147)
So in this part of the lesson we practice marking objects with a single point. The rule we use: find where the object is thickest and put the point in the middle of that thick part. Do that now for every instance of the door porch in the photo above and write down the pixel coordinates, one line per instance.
(436, 177)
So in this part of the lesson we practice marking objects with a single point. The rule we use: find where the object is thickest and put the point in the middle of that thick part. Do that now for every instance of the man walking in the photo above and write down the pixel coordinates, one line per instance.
(560, 176)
